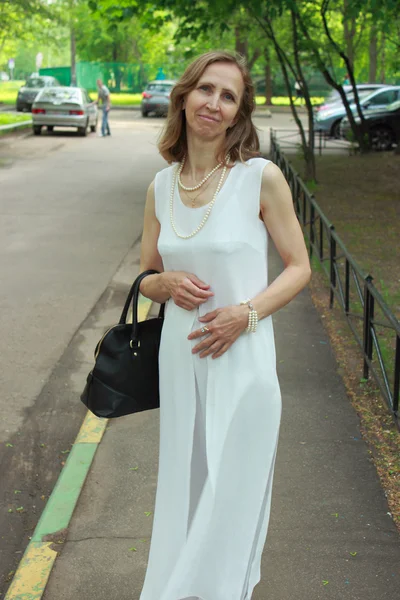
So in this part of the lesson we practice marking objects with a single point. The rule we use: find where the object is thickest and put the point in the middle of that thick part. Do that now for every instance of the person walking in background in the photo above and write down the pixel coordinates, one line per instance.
(207, 224)
(104, 98)
(299, 90)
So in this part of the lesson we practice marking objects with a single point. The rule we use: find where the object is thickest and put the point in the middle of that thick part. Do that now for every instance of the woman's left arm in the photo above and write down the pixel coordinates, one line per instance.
(224, 325)
(281, 221)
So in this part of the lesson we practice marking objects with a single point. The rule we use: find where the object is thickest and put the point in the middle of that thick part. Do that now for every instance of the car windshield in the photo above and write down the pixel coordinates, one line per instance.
(361, 94)
(60, 95)
(35, 82)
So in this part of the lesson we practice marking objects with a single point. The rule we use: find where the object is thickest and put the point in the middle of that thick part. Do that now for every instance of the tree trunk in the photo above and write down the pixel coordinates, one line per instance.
(309, 166)
(373, 53)
(72, 41)
(268, 80)
(73, 56)
(349, 29)
(382, 57)
(241, 46)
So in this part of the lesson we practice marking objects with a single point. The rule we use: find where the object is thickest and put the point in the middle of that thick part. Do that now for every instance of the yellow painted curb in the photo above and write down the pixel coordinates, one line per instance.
(92, 429)
(33, 572)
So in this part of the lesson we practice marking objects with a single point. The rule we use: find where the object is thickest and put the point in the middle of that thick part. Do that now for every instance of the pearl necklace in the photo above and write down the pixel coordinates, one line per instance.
(196, 187)
(177, 172)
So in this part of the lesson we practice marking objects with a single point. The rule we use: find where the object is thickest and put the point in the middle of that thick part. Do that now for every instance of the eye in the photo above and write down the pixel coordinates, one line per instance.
(229, 96)
(204, 87)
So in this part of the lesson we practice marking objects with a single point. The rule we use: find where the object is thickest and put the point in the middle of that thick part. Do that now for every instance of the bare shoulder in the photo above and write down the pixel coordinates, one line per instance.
(272, 175)
(274, 187)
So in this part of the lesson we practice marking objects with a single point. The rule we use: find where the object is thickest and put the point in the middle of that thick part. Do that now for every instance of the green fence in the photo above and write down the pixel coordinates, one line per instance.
(118, 77)
(128, 77)
(62, 74)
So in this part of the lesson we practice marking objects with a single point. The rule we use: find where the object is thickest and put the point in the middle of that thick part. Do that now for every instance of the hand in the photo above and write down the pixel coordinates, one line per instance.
(224, 326)
(186, 290)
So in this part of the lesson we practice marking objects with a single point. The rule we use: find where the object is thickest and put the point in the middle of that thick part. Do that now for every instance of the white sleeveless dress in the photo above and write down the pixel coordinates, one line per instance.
(219, 418)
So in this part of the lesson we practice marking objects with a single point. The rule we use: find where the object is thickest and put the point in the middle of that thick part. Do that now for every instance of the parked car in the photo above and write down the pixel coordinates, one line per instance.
(383, 126)
(328, 121)
(28, 92)
(64, 107)
(363, 88)
(156, 97)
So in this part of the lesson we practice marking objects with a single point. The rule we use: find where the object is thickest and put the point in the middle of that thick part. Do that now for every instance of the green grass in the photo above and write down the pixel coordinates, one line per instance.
(9, 91)
(124, 99)
(8, 118)
(284, 100)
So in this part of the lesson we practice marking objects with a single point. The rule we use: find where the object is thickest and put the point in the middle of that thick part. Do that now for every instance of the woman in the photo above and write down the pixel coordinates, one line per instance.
(206, 228)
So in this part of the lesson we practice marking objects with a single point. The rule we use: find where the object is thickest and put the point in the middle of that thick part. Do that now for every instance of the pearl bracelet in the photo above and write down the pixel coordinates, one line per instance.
(253, 317)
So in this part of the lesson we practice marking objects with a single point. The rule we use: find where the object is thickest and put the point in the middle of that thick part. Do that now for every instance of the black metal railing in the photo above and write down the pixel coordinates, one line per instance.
(375, 328)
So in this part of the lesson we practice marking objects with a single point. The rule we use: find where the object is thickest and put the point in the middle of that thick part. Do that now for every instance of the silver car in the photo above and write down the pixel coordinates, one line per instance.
(328, 120)
(28, 92)
(64, 107)
(155, 98)
(363, 88)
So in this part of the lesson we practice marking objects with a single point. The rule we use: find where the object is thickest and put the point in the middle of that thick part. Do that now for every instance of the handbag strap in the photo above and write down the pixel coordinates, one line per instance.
(133, 297)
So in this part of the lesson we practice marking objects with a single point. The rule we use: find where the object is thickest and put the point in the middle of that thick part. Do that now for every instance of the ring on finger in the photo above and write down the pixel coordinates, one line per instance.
(205, 329)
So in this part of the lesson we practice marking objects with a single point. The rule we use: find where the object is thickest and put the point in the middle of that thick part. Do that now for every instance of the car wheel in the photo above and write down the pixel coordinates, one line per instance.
(335, 131)
(381, 138)
(19, 108)
(50, 127)
(37, 129)
(83, 130)
(145, 113)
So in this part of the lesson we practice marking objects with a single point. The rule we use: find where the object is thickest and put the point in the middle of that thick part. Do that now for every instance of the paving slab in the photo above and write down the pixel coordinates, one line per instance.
(330, 536)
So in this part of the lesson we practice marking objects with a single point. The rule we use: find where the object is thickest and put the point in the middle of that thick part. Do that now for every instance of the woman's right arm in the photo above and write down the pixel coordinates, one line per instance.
(185, 289)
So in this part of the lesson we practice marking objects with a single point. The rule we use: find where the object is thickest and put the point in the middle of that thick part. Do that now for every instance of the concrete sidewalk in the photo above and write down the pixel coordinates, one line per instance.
(330, 533)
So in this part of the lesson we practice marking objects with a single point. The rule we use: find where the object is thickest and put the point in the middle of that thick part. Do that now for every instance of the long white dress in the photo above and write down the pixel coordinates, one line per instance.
(219, 418)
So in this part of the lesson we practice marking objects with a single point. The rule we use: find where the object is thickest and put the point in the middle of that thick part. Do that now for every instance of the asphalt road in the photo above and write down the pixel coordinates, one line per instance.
(70, 210)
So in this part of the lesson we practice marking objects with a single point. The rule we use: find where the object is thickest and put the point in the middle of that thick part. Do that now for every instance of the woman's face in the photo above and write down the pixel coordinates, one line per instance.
(212, 106)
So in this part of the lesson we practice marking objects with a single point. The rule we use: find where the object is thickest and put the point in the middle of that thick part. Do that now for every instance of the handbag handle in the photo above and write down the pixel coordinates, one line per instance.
(134, 297)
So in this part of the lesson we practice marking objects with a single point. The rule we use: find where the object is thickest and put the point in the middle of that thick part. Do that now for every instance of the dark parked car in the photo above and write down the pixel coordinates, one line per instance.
(383, 126)
(156, 97)
(29, 91)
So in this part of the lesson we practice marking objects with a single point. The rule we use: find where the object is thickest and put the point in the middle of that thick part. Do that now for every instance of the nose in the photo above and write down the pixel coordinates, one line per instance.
(213, 102)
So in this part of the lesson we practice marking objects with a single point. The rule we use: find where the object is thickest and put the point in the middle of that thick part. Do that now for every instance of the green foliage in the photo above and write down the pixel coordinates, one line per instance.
(169, 33)
(10, 118)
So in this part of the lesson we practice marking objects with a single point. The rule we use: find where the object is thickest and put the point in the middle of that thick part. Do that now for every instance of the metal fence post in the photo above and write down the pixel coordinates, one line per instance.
(368, 316)
(312, 223)
(396, 388)
(332, 254)
(347, 288)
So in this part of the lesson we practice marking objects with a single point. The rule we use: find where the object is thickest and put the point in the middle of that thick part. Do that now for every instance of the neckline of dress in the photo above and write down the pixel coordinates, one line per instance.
(194, 208)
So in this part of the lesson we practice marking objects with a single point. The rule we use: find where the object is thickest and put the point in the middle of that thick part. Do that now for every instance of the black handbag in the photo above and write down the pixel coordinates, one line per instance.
(124, 379)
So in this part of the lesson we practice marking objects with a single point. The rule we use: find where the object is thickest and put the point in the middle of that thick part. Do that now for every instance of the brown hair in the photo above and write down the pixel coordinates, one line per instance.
(241, 139)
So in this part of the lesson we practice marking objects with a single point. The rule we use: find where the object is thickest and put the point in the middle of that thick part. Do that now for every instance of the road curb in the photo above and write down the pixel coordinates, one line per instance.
(14, 126)
(34, 569)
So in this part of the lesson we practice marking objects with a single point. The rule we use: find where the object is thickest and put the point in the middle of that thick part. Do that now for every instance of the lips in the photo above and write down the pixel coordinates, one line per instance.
(208, 118)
